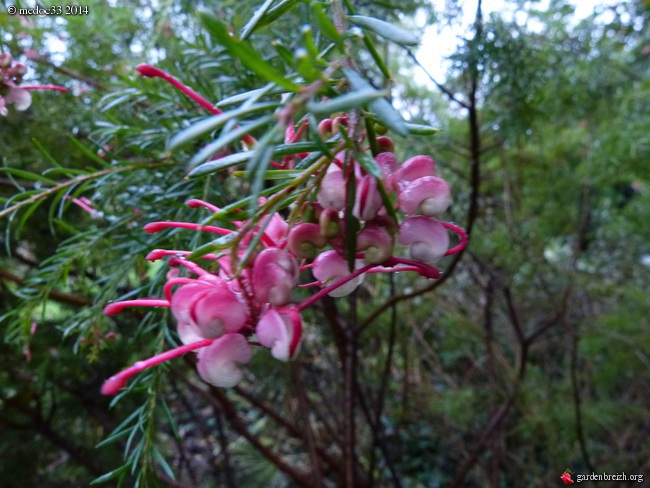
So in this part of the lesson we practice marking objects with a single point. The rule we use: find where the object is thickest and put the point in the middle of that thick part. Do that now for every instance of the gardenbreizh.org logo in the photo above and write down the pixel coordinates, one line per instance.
(569, 477)
(566, 477)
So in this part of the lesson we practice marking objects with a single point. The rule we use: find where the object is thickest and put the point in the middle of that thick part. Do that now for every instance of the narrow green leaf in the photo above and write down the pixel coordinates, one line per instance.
(94, 156)
(384, 110)
(109, 476)
(28, 176)
(160, 460)
(220, 164)
(385, 29)
(326, 26)
(218, 244)
(368, 163)
(276, 12)
(257, 16)
(245, 53)
(274, 174)
(208, 151)
(241, 97)
(349, 101)
(46, 154)
(211, 123)
(421, 130)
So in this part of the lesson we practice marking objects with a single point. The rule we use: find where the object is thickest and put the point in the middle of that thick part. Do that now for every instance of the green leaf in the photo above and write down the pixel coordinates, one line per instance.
(276, 12)
(109, 476)
(382, 109)
(326, 26)
(368, 163)
(218, 244)
(422, 130)
(257, 16)
(349, 101)
(274, 174)
(242, 97)
(28, 176)
(245, 53)
(386, 30)
(208, 151)
(211, 123)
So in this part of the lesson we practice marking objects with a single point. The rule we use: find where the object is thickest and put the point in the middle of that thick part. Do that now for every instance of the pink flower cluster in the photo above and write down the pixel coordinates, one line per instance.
(11, 76)
(249, 300)
(222, 314)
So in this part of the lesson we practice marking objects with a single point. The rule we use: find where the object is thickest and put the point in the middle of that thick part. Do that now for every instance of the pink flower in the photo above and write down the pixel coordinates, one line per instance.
(330, 267)
(412, 169)
(331, 194)
(281, 331)
(218, 363)
(428, 239)
(305, 239)
(388, 164)
(207, 310)
(275, 274)
(377, 243)
(427, 196)
(368, 199)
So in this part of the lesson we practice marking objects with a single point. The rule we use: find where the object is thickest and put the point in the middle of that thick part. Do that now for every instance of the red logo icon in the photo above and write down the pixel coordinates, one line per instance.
(566, 477)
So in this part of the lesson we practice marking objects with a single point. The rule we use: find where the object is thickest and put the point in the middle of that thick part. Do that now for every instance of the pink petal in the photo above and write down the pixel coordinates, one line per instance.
(389, 165)
(21, 99)
(414, 168)
(427, 196)
(368, 199)
(280, 332)
(218, 363)
(330, 266)
(332, 191)
(275, 274)
(305, 239)
(428, 238)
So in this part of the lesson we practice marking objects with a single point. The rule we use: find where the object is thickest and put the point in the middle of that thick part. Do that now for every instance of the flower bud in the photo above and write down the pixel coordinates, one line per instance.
(329, 223)
(5, 60)
(385, 144)
(305, 239)
(331, 194)
(377, 244)
(428, 239)
(325, 128)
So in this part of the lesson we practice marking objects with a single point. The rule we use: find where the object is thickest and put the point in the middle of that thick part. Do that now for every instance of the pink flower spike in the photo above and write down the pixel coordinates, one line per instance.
(412, 169)
(114, 384)
(117, 307)
(218, 363)
(427, 196)
(428, 239)
(281, 331)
